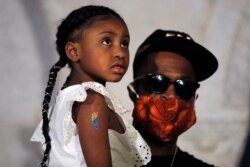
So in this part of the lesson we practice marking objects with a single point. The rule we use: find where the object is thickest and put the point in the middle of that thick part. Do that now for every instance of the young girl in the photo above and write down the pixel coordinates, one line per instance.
(87, 125)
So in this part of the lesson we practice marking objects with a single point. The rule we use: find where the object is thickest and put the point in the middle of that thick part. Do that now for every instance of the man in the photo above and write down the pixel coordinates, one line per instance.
(167, 69)
(244, 160)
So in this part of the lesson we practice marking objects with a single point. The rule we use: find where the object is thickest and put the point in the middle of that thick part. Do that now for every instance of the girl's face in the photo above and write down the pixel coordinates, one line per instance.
(103, 53)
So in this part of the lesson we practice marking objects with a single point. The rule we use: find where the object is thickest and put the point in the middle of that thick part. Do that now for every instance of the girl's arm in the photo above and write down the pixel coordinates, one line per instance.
(92, 124)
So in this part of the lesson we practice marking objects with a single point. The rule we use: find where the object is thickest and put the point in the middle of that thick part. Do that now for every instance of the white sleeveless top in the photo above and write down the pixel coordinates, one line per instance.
(127, 149)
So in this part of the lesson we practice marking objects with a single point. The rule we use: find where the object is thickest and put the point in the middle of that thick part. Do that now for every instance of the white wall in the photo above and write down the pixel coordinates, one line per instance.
(27, 50)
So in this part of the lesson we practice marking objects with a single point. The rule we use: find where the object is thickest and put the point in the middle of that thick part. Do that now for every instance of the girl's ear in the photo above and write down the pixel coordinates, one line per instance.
(71, 50)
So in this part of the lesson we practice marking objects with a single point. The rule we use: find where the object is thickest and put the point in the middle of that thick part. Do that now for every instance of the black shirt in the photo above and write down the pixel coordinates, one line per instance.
(182, 159)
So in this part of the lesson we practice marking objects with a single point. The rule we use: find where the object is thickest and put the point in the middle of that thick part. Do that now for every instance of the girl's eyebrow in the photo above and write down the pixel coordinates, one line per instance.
(113, 33)
(108, 32)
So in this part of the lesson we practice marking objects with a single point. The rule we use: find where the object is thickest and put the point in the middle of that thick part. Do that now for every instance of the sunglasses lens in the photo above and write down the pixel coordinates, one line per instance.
(185, 89)
(157, 83)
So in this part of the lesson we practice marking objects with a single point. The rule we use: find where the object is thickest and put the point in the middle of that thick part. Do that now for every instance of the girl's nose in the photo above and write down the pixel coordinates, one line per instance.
(120, 53)
(119, 56)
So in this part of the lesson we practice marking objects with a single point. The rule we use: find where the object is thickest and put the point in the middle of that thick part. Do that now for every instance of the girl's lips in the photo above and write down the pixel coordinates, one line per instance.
(118, 68)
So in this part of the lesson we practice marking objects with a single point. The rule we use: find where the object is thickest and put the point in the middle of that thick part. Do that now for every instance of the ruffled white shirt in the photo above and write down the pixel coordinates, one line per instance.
(127, 149)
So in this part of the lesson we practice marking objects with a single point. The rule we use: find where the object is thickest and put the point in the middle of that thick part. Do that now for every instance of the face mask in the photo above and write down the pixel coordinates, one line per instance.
(164, 118)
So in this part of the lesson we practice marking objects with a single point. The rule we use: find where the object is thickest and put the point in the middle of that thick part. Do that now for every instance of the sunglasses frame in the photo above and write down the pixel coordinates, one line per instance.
(179, 85)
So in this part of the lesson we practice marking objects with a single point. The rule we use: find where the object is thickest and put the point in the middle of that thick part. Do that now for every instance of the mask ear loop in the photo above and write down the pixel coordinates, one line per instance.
(132, 93)
(196, 96)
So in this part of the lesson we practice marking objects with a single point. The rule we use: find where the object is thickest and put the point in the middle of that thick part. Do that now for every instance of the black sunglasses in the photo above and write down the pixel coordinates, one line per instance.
(157, 83)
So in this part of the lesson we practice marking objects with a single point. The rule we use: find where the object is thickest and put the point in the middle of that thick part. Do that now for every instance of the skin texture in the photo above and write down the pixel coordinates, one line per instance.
(173, 66)
(100, 55)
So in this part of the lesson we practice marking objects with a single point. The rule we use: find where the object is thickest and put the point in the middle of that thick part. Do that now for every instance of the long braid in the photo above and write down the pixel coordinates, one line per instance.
(76, 20)
(47, 97)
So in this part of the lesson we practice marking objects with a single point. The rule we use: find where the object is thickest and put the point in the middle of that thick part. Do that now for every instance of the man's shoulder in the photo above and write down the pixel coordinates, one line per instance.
(181, 159)
(185, 158)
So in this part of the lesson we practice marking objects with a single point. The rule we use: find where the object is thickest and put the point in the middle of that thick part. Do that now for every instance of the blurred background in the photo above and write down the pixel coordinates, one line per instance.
(27, 50)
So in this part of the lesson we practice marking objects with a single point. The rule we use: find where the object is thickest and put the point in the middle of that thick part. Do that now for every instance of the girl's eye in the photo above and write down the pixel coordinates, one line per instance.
(124, 44)
(107, 42)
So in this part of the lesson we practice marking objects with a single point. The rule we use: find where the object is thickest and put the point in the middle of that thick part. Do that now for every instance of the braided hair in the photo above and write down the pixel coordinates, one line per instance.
(76, 21)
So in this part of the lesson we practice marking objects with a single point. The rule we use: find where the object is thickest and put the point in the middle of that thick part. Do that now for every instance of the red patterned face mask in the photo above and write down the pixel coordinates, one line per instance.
(164, 118)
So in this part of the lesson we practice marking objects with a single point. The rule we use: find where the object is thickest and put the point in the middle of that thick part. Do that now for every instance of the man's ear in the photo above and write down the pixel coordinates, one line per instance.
(132, 93)
(71, 50)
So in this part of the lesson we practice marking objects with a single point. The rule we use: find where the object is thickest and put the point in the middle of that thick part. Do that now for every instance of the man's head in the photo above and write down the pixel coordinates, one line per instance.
(203, 61)
(167, 68)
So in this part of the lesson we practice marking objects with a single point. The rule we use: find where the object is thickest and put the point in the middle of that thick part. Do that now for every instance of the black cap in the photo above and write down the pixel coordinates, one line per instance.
(202, 60)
